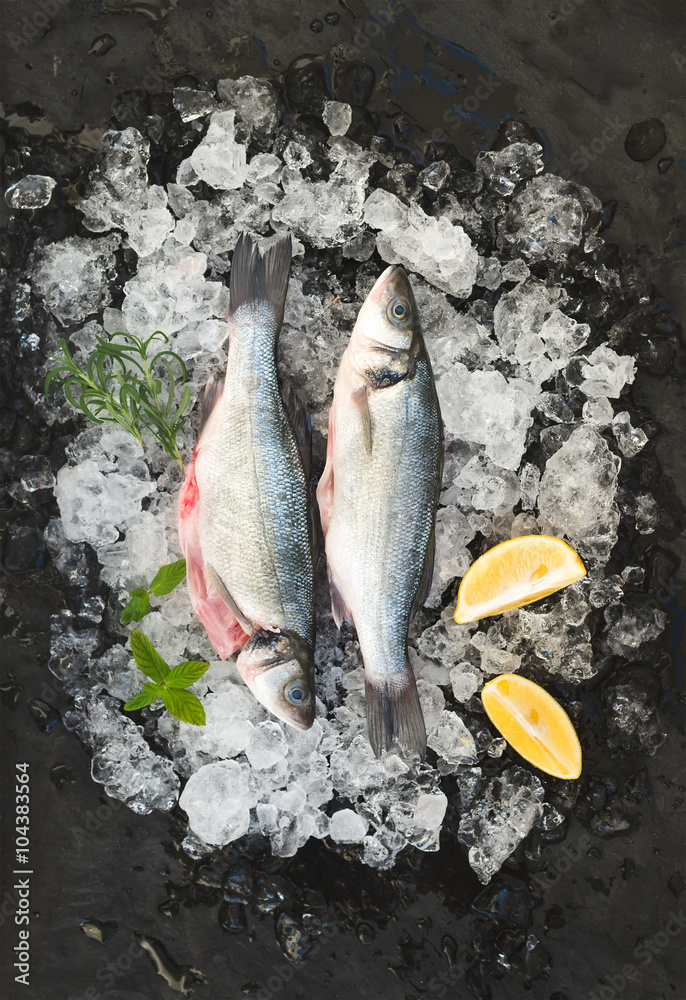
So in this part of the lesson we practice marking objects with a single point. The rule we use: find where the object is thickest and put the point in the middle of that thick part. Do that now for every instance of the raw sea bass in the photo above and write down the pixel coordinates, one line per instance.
(378, 499)
(245, 521)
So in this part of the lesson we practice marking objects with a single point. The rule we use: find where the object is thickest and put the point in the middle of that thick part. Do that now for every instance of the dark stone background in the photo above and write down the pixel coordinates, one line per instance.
(568, 75)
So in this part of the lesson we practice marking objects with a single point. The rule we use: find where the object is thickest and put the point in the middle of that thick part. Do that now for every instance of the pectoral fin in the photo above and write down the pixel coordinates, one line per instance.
(226, 597)
(340, 610)
(325, 486)
(360, 401)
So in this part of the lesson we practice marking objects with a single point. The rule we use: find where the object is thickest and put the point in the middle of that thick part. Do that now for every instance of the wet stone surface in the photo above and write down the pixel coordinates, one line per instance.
(142, 907)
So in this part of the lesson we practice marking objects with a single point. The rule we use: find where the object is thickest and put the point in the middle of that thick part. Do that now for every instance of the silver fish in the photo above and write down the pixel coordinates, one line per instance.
(378, 497)
(245, 521)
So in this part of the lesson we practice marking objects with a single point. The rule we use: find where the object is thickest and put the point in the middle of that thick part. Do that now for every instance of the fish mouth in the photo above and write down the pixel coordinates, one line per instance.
(381, 282)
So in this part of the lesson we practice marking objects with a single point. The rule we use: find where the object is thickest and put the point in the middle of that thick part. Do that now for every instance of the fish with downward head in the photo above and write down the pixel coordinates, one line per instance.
(245, 518)
(378, 497)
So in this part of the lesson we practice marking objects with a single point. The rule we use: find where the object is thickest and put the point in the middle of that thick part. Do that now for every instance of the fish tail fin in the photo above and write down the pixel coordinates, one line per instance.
(394, 715)
(258, 278)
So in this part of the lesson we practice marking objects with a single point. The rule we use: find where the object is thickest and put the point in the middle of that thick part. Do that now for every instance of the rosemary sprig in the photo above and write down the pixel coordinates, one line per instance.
(121, 384)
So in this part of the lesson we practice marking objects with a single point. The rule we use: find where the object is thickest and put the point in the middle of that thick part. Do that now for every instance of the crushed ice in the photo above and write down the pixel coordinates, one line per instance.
(507, 367)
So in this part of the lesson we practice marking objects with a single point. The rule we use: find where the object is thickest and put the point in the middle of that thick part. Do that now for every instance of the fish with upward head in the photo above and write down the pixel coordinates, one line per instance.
(378, 497)
(245, 517)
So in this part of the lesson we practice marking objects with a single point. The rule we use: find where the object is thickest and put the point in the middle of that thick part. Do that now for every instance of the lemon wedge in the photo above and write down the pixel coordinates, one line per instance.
(514, 573)
(534, 724)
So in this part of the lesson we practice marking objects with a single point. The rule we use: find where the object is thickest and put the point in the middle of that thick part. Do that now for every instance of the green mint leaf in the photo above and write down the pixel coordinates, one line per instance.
(186, 674)
(137, 608)
(168, 577)
(147, 658)
(183, 705)
(150, 693)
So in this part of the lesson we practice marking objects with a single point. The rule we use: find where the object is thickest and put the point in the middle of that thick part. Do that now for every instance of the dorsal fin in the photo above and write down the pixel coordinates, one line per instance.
(301, 422)
(211, 396)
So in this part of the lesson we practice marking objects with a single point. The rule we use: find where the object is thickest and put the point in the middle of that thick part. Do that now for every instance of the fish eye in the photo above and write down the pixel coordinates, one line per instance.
(295, 694)
(398, 310)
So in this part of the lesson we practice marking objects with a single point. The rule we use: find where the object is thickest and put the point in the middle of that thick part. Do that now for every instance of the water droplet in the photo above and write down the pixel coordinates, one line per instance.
(316, 26)
(170, 908)
(232, 918)
(47, 718)
(449, 946)
(101, 45)
(61, 775)
(99, 930)
(9, 693)
(365, 933)
(594, 853)
(332, 18)
(664, 164)
(645, 140)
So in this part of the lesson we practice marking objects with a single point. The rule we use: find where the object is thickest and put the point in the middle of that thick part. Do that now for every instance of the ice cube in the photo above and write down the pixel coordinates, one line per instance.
(466, 680)
(433, 177)
(453, 534)
(452, 741)
(508, 167)
(95, 506)
(630, 439)
(605, 373)
(548, 217)
(132, 773)
(598, 411)
(578, 488)
(337, 117)
(529, 480)
(218, 799)
(441, 252)
(256, 103)
(429, 811)
(192, 104)
(266, 746)
(485, 408)
(72, 277)
(524, 310)
(32, 191)
(500, 818)
(117, 671)
(347, 827)
(219, 160)
(69, 558)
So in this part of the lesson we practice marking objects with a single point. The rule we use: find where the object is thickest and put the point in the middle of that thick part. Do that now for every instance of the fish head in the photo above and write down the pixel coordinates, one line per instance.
(389, 315)
(278, 668)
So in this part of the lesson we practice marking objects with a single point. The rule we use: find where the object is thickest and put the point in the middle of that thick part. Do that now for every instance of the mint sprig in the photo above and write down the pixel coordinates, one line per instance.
(166, 579)
(169, 684)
